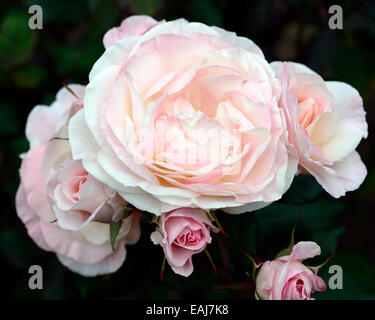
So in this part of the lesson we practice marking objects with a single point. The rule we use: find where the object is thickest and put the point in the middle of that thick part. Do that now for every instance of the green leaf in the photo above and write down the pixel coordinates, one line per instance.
(127, 213)
(17, 40)
(114, 229)
(284, 252)
(31, 76)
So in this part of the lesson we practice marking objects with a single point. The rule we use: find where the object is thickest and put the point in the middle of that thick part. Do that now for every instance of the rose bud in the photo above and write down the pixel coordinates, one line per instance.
(182, 233)
(287, 278)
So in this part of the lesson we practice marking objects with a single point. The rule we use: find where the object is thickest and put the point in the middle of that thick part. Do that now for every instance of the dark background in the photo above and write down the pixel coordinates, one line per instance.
(35, 63)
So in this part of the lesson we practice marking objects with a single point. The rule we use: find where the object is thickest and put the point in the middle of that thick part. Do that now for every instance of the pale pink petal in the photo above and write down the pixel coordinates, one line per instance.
(36, 133)
(32, 178)
(177, 256)
(109, 264)
(156, 237)
(351, 124)
(30, 219)
(73, 245)
(264, 281)
(304, 250)
(50, 116)
(184, 270)
(134, 231)
(83, 144)
(132, 26)
(343, 176)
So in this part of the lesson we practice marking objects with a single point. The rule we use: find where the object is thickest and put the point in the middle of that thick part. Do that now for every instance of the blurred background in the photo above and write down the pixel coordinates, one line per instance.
(35, 63)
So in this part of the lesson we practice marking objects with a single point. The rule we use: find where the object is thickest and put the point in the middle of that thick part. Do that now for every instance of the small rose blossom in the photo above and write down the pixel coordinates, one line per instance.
(326, 121)
(77, 198)
(64, 209)
(183, 233)
(287, 278)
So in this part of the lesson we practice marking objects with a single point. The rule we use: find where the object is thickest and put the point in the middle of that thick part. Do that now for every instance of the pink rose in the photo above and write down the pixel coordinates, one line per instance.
(65, 209)
(326, 122)
(129, 27)
(182, 233)
(77, 198)
(185, 115)
(286, 278)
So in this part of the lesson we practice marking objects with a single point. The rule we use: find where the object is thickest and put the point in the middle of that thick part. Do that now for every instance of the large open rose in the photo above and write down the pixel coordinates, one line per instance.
(184, 115)
(326, 121)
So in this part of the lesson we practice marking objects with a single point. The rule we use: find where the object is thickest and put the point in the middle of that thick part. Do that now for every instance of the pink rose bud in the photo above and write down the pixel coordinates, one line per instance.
(287, 278)
(182, 233)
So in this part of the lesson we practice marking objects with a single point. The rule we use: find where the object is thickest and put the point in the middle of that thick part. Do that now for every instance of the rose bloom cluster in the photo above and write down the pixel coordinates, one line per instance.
(179, 119)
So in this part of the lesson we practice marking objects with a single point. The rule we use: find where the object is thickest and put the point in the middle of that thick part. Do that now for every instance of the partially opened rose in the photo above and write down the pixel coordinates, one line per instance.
(64, 208)
(76, 197)
(326, 121)
(180, 114)
(183, 233)
(287, 278)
